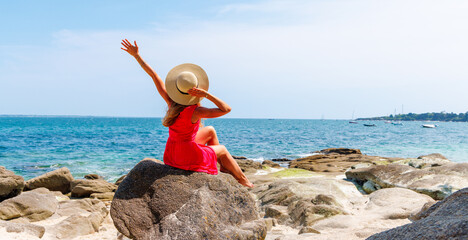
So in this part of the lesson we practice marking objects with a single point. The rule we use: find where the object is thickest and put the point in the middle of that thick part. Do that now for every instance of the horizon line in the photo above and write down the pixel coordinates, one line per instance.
(106, 116)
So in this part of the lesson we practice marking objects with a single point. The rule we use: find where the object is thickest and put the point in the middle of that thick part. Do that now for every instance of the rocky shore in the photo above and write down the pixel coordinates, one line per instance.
(333, 194)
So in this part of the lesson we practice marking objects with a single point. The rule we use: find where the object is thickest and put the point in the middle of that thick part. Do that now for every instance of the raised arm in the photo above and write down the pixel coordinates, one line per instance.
(203, 112)
(133, 50)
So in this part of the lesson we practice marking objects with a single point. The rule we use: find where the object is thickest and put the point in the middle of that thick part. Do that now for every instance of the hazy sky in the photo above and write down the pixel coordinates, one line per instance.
(267, 59)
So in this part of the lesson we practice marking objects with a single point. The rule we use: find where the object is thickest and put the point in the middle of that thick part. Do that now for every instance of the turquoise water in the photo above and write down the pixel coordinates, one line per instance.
(31, 146)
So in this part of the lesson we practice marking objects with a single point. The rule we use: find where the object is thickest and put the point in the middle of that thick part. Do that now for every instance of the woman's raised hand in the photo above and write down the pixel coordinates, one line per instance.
(132, 50)
(197, 92)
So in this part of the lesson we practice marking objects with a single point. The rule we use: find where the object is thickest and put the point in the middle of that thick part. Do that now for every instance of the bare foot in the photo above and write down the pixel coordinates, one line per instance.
(245, 182)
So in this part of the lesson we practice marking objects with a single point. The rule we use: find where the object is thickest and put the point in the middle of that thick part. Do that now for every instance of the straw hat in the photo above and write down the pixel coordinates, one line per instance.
(182, 78)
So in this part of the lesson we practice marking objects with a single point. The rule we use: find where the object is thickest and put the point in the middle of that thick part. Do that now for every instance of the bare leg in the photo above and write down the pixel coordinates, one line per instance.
(207, 135)
(229, 163)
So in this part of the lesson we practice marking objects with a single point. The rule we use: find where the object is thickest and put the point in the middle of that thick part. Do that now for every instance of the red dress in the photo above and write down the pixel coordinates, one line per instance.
(181, 149)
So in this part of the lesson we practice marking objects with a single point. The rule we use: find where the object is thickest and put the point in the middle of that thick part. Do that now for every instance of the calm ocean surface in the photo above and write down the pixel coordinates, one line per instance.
(31, 146)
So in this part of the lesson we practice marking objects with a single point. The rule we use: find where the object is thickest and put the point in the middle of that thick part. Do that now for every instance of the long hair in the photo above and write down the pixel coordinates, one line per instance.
(172, 113)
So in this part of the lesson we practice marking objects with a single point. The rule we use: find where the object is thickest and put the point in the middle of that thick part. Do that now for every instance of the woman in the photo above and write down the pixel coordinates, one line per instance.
(189, 147)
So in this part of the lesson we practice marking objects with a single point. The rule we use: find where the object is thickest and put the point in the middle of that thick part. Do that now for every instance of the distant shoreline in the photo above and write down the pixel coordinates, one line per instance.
(435, 117)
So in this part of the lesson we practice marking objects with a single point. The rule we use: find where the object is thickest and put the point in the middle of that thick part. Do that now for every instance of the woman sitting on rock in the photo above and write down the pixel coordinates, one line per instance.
(189, 147)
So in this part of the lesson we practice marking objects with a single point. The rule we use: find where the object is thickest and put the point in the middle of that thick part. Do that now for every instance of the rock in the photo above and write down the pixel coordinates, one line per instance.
(455, 205)
(396, 203)
(93, 176)
(280, 213)
(108, 196)
(154, 160)
(343, 151)
(293, 173)
(248, 165)
(369, 186)
(447, 219)
(269, 222)
(85, 187)
(84, 207)
(306, 213)
(419, 214)
(436, 182)
(83, 217)
(381, 210)
(308, 230)
(270, 163)
(284, 192)
(33, 206)
(239, 157)
(120, 180)
(74, 226)
(281, 160)
(431, 160)
(10, 184)
(337, 160)
(27, 228)
(433, 156)
(156, 201)
(57, 180)
(301, 202)
(361, 165)
(331, 205)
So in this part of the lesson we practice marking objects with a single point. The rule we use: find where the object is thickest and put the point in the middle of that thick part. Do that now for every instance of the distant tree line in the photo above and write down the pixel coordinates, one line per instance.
(442, 116)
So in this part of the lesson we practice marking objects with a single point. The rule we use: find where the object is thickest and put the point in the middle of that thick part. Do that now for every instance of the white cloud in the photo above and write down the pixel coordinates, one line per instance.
(297, 59)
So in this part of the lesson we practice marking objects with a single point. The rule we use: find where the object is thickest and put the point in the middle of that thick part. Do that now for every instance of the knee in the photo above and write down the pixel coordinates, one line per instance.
(224, 150)
(211, 130)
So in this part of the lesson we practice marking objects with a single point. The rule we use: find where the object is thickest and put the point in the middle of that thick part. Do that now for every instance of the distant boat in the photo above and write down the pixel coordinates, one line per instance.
(388, 121)
(429, 126)
(352, 121)
(369, 125)
(397, 123)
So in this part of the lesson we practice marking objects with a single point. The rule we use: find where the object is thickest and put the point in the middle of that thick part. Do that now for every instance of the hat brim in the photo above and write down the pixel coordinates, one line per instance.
(171, 81)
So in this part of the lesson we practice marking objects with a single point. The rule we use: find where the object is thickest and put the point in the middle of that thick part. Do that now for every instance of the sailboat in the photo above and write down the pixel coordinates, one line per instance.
(352, 120)
(429, 126)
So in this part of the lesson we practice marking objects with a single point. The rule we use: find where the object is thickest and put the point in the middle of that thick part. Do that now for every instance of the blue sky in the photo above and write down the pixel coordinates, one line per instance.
(267, 59)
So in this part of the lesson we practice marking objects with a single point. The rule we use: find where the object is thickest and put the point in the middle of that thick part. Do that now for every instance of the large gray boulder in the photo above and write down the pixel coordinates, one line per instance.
(31, 206)
(156, 201)
(447, 219)
(57, 180)
(436, 182)
(10, 184)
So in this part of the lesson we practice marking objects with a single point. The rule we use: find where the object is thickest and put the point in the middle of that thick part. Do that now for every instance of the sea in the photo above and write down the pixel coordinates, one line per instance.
(111, 146)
